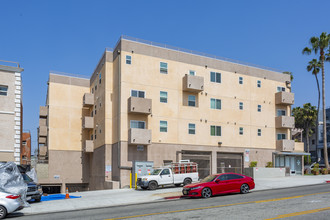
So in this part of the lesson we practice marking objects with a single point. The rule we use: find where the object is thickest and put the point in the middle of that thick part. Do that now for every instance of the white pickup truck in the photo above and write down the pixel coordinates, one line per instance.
(174, 174)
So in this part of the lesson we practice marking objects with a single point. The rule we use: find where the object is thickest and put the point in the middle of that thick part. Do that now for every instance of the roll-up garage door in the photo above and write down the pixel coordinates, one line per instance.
(229, 162)
(203, 161)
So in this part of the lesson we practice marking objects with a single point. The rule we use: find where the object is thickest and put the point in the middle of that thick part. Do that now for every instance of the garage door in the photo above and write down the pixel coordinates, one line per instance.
(203, 161)
(229, 162)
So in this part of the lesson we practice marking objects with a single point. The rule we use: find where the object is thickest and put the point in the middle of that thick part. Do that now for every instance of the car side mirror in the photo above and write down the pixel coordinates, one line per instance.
(217, 180)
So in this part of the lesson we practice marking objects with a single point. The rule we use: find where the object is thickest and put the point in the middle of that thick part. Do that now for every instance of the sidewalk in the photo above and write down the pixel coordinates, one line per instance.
(106, 198)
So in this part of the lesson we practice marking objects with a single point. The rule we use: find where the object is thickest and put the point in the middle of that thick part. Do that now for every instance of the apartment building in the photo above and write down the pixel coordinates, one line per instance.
(10, 111)
(26, 148)
(151, 102)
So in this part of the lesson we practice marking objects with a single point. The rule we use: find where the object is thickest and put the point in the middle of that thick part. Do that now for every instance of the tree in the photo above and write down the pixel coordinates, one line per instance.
(305, 119)
(321, 44)
(315, 66)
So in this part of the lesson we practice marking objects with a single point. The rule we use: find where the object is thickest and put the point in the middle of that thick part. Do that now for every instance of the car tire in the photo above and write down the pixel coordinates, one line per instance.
(206, 193)
(3, 212)
(177, 185)
(186, 181)
(153, 185)
(38, 199)
(245, 188)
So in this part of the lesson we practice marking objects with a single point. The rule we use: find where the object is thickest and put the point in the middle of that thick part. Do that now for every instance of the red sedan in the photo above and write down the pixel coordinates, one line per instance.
(219, 184)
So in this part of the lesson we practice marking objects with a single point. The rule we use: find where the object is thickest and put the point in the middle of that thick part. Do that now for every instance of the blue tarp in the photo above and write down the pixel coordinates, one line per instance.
(56, 197)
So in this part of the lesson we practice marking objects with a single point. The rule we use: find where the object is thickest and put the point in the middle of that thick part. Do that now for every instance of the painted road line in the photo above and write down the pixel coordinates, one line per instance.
(217, 206)
(299, 213)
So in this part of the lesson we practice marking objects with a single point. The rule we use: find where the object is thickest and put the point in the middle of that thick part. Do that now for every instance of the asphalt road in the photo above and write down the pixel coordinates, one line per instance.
(308, 202)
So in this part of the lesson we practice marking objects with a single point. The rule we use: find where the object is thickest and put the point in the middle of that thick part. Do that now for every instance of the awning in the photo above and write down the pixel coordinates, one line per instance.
(292, 153)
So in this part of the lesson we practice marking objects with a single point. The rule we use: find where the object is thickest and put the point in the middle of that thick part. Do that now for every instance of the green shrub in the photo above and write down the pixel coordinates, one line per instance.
(253, 163)
(307, 159)
(269, 164)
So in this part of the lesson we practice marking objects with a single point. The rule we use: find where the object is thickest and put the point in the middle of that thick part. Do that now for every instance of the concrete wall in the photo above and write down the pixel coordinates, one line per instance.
(261, 172)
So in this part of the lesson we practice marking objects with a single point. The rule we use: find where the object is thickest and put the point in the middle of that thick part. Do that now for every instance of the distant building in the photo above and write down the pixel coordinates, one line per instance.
(10, 111)
(148, 102)
(26, 148)
(316, 149)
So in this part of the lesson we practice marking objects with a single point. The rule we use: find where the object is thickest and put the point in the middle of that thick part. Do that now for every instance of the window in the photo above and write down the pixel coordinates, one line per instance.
(165, 172)
(259, 132)
(3, 90)
(138, 124)
(100, 78)
(241, 131)
(95, 87)
(93, 90)
(313, 141)
(215, 103)
(281, 136)
(191, 128)
(95, 134)
(128, 59)
(163, 67)
(137, 93)
(163, 126)
(281, 112)
(191, 100)
(240, 80)
(24, 143)
(241, 106)
(280, 89)
(92, 136)
(192, 72)
(259, 108)
(163, 97)
(233, 177)
(215, 130)
(95, 109)
(215, 77)
(258, 83)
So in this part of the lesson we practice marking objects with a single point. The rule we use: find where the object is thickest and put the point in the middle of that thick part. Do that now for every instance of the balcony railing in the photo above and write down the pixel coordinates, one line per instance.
(89, 146)
(139, 136)
(193, 83)
(88, 99)
(43, 131)
(284, 122)
(43, 112)
(139, 105)
(285, 145)
(284, 98)
(88, 122)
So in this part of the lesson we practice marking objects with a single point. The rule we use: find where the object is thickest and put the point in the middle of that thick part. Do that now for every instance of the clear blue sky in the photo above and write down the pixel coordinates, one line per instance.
(70, 36)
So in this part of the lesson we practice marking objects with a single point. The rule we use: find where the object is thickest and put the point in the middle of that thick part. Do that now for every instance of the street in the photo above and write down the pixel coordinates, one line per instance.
(308, 202)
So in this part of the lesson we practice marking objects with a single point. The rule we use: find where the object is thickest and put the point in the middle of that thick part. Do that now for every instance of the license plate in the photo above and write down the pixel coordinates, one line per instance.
(28, 198)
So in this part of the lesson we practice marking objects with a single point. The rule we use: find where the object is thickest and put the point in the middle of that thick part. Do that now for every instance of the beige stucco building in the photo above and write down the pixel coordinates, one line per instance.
(151, 102)
(10, 111)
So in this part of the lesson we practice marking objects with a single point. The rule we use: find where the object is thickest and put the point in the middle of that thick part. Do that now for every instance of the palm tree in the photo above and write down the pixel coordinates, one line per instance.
(321, 44)
(315, 66)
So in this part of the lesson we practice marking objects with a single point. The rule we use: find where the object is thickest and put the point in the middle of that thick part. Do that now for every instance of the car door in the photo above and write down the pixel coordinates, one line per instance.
(165, 177)
(234, 182)
(220, 184)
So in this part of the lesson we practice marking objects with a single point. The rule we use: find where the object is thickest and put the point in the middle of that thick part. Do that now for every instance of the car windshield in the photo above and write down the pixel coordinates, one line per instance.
(209, 178)
(26, 178)
(156, 172)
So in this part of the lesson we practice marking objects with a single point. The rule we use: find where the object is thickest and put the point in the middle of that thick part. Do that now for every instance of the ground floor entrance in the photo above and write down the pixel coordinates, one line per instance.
(203, 159)
(229, 162)
(294, 162)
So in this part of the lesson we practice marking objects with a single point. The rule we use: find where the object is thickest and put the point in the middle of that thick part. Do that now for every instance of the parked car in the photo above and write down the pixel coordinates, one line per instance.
(219, 184)
(174, 174)
(9, 203)
(34, 190)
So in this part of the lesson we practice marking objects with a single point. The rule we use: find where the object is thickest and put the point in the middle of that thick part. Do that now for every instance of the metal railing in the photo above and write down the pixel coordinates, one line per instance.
(9, 63)
(69, 74)
(195, 53)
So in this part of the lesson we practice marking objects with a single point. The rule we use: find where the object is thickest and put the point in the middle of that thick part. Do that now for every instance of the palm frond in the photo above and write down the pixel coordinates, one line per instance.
(307, 51)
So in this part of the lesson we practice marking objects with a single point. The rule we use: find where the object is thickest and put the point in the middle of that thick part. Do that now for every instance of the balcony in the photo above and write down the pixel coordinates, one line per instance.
(42, 131)
(299, 146)
(88, 146)
(43, 150)
(284, 98)
(285, 145)
(42, 122)
(284, 122)
(139, 105)
(88, 99)
(43, 112)
(193, 83)
(88, 122)
(139, 136)
(42, 140)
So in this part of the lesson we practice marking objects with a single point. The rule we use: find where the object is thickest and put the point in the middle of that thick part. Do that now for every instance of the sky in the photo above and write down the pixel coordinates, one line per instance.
(71, 35)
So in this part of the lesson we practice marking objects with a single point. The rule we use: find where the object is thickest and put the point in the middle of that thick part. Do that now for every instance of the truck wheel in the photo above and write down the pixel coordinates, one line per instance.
(186, 181)
(3, 212)
(153, 185)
